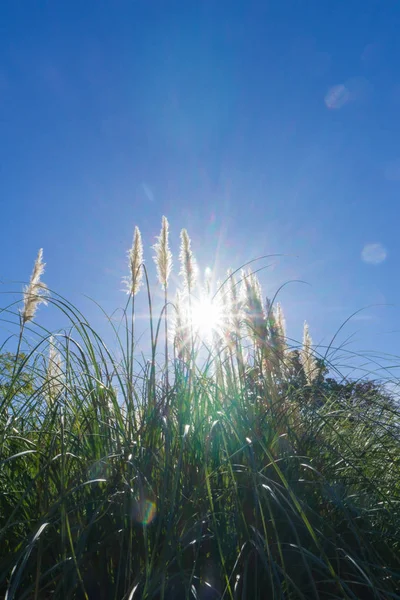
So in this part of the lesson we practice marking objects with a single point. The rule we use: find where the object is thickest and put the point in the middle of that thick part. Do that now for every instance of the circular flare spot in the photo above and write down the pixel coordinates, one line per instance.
(337, 97)
(373, 254)
(146, 511)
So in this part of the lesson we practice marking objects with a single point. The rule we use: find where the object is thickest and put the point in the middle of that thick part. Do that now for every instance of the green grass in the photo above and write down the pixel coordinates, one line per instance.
(236, 479)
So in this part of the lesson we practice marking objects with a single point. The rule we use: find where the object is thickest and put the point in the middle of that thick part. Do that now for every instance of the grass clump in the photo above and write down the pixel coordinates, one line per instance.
(227, 465)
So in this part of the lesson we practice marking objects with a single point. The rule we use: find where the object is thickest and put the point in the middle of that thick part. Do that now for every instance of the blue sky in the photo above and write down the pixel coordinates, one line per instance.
(262, 127)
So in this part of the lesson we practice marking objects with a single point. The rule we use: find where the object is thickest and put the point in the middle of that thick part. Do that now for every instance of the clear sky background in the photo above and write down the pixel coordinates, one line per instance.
(263, 127)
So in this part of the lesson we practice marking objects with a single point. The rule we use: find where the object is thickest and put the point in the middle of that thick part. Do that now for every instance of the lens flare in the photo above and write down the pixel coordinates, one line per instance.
(145, 512)
(207, 317)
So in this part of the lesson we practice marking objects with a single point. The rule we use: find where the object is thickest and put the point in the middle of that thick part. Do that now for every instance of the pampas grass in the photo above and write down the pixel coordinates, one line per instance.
(306, 356)
(54, 372)
(134, 281)
(163, 260)
(35, 291)
(280, 322)
(189, 270)
(163, 257)
(229, 478)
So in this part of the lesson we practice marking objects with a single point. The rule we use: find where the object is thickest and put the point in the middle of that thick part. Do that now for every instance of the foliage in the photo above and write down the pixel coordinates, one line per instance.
(226, 473)
(8, 363)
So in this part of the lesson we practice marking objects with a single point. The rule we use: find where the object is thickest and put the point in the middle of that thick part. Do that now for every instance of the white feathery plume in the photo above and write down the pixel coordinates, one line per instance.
(280, 322)
(35, 292)
(306, 356)
(254, 307)
(54, 371)
(163, 257)
(251, 291)
(256, 289)
(188, 263)
(135, 254)
(235, 312)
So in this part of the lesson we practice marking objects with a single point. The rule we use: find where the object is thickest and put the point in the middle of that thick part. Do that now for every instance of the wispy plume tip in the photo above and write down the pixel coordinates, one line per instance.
(35, 292)
(163, 256)
(135, 255)
(189, 268)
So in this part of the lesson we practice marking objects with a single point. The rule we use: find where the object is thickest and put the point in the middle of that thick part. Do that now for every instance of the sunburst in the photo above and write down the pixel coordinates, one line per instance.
(207, 317)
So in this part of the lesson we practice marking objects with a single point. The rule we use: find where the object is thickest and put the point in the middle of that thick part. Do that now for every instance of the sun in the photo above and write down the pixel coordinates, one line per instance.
(207, 317)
